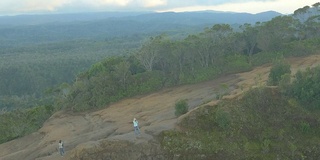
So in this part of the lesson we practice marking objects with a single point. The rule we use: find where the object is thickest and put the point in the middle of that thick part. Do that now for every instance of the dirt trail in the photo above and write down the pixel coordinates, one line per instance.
(155, 113)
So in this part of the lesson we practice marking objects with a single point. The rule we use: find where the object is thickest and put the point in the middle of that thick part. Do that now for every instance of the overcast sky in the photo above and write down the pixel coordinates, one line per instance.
(13, 7)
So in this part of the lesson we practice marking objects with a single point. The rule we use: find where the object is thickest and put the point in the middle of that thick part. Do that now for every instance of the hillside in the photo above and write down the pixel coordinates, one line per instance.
(109, 132)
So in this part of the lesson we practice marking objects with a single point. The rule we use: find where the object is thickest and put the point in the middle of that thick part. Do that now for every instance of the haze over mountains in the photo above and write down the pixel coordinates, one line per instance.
(178, 17)
(60, 27)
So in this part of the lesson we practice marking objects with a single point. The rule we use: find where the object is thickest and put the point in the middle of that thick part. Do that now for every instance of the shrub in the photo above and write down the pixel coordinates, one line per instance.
(305, 127)
(306, 88)
(285, 81)
(265, 57)
(181, 107)
(278, 69)
(222, 119)
(236, 63)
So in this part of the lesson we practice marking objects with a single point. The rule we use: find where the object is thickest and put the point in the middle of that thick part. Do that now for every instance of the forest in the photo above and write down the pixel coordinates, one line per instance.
(40, 52)
(160, 61)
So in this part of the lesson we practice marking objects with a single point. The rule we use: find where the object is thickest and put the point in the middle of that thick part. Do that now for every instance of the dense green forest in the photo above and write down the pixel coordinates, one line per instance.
(161, 61)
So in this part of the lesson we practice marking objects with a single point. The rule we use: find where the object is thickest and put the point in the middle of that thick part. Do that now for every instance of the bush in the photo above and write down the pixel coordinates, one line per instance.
(305, 127)
(265, 57)
(222, 119)
(306, 88)
(181, 107)
(236, 63)
(285, 81)
(278, 69)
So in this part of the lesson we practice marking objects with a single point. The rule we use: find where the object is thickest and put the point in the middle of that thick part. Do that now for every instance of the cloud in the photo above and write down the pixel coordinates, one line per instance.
(251, 6)
(40, 5)
(98, 3)
(153, 3)
(34, 6)
(30, 6)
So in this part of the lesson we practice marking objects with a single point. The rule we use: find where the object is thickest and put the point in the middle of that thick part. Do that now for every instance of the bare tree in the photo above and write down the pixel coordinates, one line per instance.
(148, 53)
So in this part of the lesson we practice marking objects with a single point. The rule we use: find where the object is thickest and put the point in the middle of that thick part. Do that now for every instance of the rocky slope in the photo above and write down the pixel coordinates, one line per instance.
(108, 133)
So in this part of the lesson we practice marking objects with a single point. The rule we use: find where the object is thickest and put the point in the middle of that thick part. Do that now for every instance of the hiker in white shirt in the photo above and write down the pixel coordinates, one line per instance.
(61, 148)
(136, 126)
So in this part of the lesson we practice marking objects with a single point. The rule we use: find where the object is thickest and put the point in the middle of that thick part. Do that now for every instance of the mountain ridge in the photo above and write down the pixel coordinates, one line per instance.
(73, 17)
(40, 29)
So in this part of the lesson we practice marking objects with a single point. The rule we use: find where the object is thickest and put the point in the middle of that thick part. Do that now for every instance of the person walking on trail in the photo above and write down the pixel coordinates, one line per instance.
(61, 148)
(136, 126)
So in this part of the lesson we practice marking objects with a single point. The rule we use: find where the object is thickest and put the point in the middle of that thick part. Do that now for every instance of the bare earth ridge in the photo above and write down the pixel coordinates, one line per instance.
(155, 113)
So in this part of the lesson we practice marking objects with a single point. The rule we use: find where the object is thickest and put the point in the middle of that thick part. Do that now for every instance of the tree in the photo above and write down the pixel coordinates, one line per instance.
(165, 57)
(218, 37)
(304, 13)
(190, 58)
(181, 58)
(203, 51)
(309, 21)
(278, 69)
(250, 36)
(273, 34)
(312, 27)
(316, 4)
(148, 53)
(236, 43)
(219, 31)
(122, 72)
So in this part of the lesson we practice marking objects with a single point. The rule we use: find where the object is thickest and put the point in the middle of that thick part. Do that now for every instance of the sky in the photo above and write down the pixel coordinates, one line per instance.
(15, 7)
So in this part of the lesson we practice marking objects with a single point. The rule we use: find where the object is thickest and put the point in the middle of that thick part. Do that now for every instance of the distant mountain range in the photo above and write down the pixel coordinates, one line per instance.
(188, 18)
(32, 29)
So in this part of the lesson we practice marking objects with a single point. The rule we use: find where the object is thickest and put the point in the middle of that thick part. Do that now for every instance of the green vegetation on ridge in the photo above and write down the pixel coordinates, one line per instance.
(161, 62)
(264, 124)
